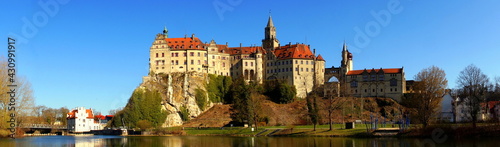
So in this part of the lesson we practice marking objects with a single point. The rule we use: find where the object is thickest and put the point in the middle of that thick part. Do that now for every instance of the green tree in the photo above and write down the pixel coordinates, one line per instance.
(144, 124)
(201, 98)
(218, 88)
(312, 109)
(142, 105)
(280, 91)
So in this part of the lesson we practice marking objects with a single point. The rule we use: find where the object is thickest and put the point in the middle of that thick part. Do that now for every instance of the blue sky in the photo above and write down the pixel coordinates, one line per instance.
(94, 53)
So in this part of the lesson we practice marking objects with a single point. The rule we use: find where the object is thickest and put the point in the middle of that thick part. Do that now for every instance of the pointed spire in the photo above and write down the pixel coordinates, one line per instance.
(270, 21)
(345, 47)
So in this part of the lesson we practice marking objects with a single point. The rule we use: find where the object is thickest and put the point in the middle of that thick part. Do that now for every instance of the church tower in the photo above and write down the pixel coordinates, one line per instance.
(270, 42)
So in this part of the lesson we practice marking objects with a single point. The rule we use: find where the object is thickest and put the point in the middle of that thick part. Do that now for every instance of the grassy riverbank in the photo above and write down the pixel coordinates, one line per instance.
(452, 130)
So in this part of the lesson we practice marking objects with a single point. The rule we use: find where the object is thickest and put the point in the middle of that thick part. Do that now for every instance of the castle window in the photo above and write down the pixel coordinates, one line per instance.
(176, 62)
(213, 64)
(381, 90)
(296, 62)
(199, 54)
(205, 54)
(162, 62)
(394, 82)
(301, 62)
(172, 55)
(307, 62)
(246, 63)
(199, 62)
(157, 63)
(191, 54)
(291, 68)
(354, 83)
(251, 63)
(176, 54)
(213, 57)
(192, 62)
(173, 62)
(184, 54)
(296, 69)
(380, 77)
(205, 61)
(301, 69)
(373, 77)
(156, 55)
(307, 69)
(223, 64)
(162, 54)
(185, 62)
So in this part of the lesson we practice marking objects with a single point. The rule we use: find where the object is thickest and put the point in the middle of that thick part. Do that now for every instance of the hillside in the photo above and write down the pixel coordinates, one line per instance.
(295, 113)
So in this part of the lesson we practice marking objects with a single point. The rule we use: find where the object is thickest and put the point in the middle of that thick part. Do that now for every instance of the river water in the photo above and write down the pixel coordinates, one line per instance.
(222, 141)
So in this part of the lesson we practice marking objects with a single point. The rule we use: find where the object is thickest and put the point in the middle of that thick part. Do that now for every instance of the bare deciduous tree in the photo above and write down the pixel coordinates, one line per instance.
(473, 83)
(429, 92)
(24, 100)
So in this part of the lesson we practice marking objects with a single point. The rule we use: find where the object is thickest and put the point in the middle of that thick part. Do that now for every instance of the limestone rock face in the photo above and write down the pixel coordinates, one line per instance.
(178, 91)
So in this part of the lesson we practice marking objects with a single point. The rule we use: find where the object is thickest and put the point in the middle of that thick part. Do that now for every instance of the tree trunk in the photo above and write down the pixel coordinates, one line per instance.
(330, 119)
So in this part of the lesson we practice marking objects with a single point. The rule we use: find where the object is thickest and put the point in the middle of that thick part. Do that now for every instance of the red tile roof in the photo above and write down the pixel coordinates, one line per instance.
(72, 114)
(387, 70)
(185, 43)
(295, 51)
(320, 58)
(245, 50)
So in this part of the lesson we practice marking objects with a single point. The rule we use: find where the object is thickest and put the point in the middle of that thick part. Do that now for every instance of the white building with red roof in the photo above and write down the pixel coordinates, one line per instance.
(81, 120)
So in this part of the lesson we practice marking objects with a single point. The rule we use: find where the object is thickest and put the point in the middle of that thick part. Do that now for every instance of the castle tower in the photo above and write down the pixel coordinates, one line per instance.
(346, 63)
(270, 42)
(159, 54)
(259, 67)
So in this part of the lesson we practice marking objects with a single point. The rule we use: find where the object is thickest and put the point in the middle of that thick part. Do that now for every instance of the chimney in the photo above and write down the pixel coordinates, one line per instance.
(289, 43)
(226, 44)
(192, 36)
(185, 35)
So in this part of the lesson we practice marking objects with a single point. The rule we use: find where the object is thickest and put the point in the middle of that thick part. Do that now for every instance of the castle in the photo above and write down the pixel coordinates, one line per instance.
(294, 63)
(382, 82)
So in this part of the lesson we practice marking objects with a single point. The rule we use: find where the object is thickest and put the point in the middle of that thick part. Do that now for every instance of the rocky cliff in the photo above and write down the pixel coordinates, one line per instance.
(178, 93)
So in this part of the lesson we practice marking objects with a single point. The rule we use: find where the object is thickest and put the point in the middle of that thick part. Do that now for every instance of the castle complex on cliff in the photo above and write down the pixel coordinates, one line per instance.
(293, 63)
(296, 64)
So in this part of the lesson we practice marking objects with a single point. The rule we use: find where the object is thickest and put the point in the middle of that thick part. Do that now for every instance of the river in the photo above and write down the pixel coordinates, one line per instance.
(222, 141)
